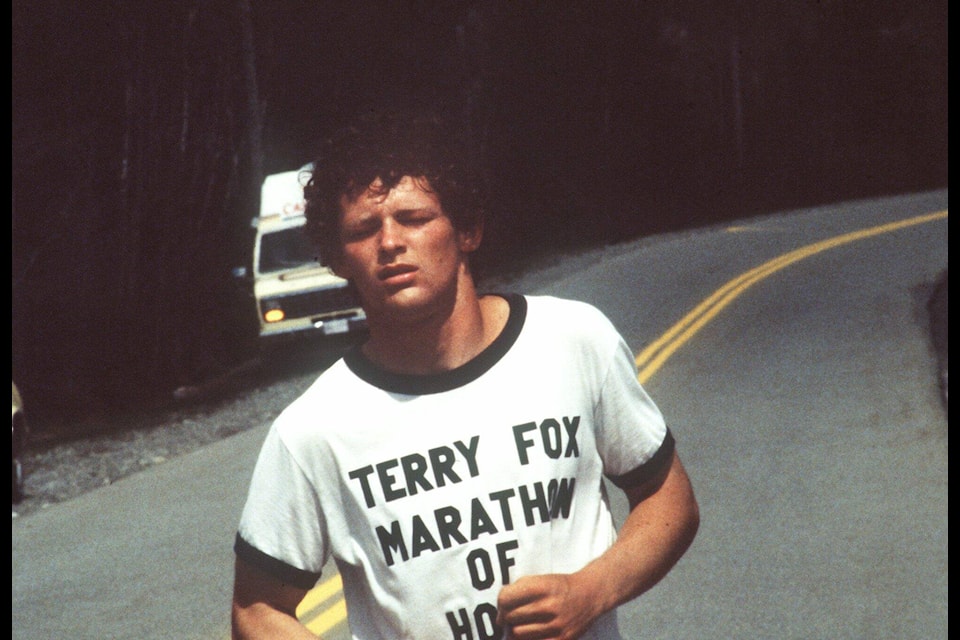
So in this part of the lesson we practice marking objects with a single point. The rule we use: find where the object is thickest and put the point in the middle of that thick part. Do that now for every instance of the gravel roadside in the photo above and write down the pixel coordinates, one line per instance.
(60, 471)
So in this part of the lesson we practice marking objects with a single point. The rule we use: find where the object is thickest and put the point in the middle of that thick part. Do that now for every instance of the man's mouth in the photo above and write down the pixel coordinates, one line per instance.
(396, 274)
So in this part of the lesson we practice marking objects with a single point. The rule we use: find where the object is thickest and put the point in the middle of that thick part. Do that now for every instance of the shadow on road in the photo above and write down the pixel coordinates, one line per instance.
(939, 330)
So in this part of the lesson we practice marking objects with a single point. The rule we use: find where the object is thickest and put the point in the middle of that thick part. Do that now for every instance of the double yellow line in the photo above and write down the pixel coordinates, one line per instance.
(657, 352)
(320, 618)
(314, 612)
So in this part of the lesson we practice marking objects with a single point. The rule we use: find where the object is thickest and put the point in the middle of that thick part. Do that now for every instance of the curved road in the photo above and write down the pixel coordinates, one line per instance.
(791, 356)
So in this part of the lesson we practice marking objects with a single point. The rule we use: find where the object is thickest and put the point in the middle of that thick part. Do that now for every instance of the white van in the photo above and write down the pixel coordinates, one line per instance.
(295, 295)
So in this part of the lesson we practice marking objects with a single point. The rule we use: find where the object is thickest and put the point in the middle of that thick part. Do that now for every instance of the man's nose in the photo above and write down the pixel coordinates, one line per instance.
(391, 235)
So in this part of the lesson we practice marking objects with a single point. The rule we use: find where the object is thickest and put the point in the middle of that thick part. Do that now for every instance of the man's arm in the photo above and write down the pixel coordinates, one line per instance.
(264, 606)
(663, 520)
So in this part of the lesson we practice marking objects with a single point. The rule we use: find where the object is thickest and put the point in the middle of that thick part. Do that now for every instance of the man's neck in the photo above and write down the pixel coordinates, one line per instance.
(442, 341)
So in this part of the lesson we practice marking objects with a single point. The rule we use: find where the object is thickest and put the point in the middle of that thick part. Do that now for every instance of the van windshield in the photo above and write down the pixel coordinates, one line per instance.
(286, 249)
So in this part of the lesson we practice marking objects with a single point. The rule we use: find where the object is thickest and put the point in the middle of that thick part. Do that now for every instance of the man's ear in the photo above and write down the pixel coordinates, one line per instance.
(469, 239)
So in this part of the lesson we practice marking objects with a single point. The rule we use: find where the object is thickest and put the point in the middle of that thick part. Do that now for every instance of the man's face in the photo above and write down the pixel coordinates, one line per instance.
(401, 251)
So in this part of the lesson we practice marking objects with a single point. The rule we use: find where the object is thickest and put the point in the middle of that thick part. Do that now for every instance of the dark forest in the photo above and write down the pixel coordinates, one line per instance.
(141, 133)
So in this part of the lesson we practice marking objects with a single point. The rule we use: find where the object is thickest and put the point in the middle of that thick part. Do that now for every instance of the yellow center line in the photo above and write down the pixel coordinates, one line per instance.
(648, 362)
(657, 352)
(318, 595)
(328, 618)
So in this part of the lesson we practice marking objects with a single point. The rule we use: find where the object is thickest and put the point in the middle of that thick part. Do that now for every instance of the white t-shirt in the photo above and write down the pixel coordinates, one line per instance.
(432, 492)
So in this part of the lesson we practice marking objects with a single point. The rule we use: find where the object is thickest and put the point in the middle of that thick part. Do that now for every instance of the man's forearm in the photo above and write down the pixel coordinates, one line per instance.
(656, 533)
(661, 525)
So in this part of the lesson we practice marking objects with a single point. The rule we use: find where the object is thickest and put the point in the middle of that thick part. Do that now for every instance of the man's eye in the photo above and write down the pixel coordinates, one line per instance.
(358, 232)
(416, 218)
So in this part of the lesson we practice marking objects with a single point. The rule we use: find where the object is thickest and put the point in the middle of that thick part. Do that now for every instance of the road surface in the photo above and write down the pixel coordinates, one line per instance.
(791, 356)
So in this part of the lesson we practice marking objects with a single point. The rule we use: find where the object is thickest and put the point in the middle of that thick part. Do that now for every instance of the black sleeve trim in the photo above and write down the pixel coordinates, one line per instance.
(650, 468)
(277, 568)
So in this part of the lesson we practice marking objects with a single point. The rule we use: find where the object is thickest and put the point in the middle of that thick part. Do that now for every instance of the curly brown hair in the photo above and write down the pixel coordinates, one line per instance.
(388, 146)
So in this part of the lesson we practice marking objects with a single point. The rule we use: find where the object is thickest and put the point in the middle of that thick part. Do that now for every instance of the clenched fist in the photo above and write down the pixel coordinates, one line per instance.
(544, 607)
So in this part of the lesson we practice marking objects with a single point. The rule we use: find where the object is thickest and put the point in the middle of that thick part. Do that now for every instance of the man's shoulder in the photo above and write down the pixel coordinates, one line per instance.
(567, 321)
(333, 384)
(549, 308)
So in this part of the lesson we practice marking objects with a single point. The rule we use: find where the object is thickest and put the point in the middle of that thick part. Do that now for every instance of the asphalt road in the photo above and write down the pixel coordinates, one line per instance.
(804, 399)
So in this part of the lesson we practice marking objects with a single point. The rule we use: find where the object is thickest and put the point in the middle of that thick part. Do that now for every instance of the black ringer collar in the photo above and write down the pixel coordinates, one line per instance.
(418, 385)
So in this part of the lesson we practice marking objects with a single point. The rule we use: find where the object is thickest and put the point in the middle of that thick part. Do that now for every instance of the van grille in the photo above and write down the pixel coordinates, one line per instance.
(317, 302)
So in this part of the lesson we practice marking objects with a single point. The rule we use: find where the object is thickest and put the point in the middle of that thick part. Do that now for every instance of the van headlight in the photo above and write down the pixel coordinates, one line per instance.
(272, 311)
